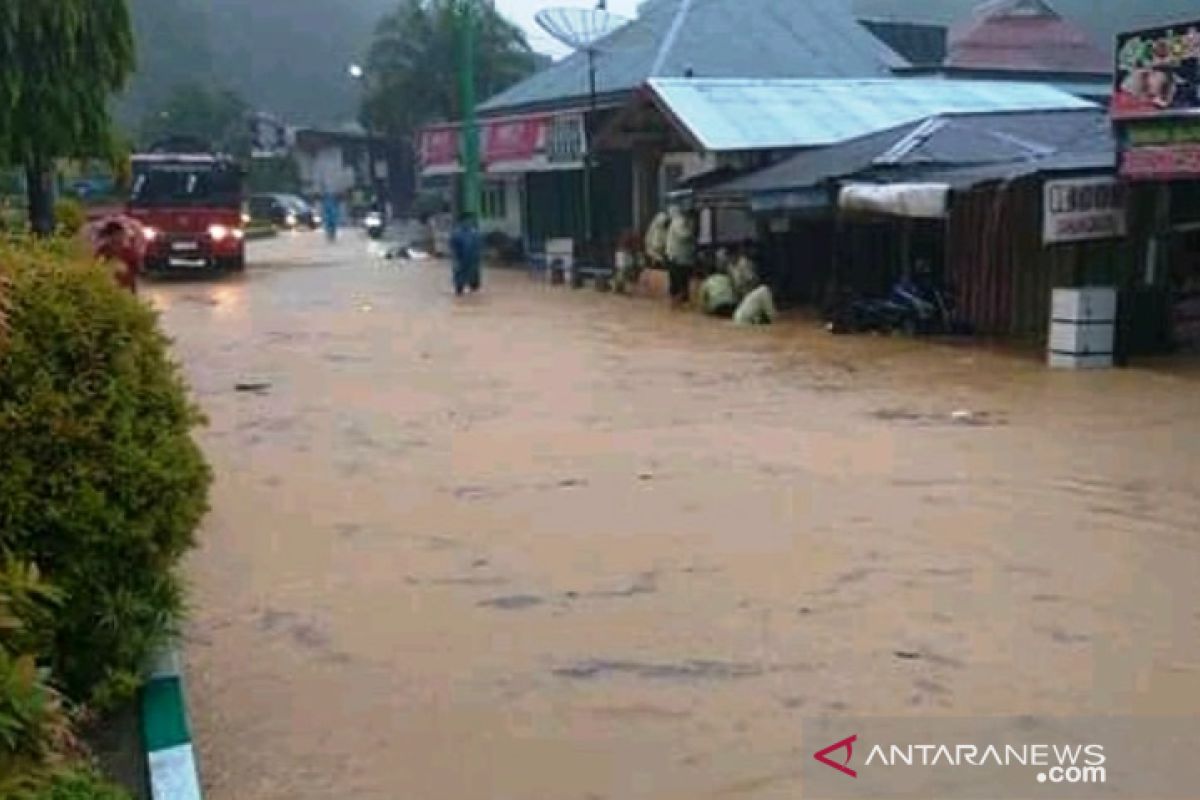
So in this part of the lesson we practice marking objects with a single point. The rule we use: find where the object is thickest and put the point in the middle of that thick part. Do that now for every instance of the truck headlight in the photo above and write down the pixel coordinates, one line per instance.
(218, 232)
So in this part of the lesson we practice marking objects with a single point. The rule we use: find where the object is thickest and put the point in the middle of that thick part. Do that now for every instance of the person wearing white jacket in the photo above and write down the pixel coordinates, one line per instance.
(656, 240)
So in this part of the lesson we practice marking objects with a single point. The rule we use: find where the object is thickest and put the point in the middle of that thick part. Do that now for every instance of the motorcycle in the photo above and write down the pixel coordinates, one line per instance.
(922, 308)
(373, 222)
(913, 308)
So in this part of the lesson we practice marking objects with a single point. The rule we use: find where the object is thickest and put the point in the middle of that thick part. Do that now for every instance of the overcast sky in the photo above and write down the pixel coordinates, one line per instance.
(522, 11)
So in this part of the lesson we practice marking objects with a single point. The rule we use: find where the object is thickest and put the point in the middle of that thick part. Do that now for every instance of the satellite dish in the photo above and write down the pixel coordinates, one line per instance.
(579, 28)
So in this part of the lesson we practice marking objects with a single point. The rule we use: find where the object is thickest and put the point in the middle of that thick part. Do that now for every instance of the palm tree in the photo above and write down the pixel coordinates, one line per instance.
(412, 65)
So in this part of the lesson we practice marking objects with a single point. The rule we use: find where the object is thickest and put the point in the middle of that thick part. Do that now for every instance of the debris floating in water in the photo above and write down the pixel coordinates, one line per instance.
(513, 603)
(258, 387)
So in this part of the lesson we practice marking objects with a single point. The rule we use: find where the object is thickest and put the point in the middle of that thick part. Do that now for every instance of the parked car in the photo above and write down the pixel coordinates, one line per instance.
(284, 210)
(83, 188)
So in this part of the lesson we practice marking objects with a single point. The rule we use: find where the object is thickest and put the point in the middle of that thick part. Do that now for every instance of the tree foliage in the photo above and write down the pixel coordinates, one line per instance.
(217, 116)
(63, 60)
(413, 62)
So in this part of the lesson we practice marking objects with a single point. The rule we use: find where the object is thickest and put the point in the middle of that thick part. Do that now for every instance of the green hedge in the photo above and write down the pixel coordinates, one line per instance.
(101, 483)
(78, 783)
(39, 756)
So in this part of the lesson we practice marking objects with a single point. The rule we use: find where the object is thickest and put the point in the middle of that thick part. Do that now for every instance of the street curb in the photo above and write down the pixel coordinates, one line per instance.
(166, 736)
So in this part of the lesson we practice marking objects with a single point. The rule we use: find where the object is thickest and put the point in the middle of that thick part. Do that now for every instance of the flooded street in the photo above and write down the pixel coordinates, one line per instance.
(552, 545)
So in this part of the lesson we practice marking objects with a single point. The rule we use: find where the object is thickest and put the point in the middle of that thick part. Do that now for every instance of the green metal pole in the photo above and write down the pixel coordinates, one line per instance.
(467, 13)
(589, 119)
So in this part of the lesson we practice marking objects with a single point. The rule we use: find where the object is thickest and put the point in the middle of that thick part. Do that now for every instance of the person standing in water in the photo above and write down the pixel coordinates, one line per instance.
(466, 247)
(655, 241)
(330, 214)
(681, 255)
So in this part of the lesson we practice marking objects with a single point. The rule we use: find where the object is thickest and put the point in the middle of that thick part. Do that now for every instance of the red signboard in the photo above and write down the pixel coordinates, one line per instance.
(439, 147)
(522, 142)
(514, 139)
(1162, 162)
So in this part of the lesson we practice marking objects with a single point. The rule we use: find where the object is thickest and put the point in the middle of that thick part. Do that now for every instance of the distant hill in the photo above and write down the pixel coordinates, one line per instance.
(286, 56)
(290, 56)
(1104, 19)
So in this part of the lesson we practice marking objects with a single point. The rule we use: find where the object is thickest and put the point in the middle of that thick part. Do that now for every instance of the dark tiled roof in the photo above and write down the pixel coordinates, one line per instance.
(990, 138)
(923, 45)
(815, 166)
(971, 145)
(716, 38)
(966, 177)
(1101, 19)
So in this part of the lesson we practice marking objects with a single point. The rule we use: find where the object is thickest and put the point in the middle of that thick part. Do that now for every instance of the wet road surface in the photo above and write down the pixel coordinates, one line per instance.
(562, 545)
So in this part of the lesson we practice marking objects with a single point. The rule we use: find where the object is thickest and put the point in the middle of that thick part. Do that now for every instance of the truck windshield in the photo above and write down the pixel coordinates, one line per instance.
(186, 185)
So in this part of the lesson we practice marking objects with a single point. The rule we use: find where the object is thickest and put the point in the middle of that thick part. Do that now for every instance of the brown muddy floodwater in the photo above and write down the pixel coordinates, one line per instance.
(555, 545)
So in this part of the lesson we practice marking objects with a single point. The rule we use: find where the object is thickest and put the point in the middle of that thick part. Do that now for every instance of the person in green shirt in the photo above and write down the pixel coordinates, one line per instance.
(758, 308)
(717, 296)
(744, 272)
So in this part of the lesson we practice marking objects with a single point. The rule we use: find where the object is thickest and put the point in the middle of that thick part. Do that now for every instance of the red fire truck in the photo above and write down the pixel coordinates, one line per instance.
(190, 207)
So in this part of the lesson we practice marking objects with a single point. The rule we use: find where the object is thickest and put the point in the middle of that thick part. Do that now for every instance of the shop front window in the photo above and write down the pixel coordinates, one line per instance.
(494, 202)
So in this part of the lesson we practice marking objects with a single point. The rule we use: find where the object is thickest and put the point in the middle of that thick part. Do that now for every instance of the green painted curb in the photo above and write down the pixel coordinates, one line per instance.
(170, 757)
(164, 719)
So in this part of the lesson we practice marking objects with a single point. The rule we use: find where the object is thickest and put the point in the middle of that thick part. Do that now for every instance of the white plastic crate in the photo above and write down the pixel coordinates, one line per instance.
(1082, 328)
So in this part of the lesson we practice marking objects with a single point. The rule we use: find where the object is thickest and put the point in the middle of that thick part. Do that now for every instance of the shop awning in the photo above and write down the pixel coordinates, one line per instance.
(913, 200)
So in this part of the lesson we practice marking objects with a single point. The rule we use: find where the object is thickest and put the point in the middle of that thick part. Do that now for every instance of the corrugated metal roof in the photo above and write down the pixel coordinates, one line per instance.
(953, 149)
(738, 115)
(715, 38)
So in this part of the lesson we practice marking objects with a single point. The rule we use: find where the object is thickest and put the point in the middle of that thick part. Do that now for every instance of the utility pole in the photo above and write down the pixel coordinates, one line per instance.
(466, 14)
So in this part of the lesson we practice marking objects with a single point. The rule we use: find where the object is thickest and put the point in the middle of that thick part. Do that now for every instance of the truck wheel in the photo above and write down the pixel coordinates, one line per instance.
(234, 264)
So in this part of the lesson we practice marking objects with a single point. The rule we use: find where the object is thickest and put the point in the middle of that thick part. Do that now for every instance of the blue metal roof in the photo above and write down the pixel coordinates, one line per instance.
(739, 115)
(712, 38)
